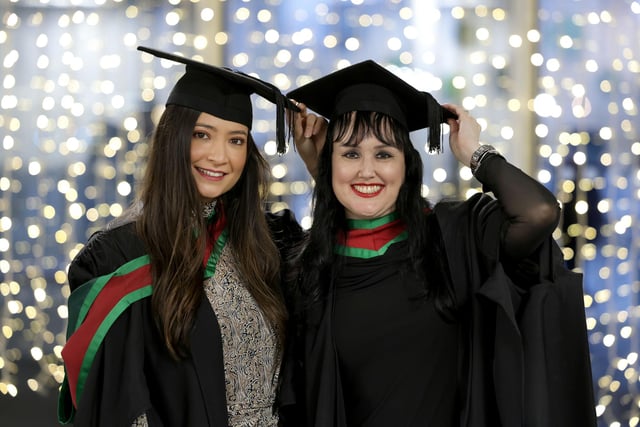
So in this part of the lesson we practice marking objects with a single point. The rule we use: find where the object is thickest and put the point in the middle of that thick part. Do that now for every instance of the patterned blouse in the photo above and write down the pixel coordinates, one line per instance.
(250, 348)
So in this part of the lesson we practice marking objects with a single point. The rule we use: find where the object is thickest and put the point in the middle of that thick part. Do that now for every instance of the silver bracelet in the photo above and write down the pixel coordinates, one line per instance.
(480, 154)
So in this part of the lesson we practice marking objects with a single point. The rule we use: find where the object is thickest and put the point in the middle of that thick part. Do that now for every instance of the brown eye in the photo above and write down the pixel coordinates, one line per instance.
(351, 154)
(200, 135)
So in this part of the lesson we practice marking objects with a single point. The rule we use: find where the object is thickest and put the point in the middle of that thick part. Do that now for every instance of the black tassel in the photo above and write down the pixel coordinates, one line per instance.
(281, 140)
(435, 118)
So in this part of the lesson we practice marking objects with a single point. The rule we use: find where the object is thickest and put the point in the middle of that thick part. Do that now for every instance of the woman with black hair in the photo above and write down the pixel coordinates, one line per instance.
(177, 317)
(413, 315)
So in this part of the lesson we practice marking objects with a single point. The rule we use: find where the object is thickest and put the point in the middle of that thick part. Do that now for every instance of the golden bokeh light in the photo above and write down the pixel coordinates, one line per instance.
(558, 95)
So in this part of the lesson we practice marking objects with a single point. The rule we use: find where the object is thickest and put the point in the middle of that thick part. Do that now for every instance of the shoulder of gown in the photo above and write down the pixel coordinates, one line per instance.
(105, 251)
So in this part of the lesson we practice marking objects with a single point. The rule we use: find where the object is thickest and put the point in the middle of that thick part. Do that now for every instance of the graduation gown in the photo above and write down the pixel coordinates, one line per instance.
(120, 368)
(527, 361)
(524, 358)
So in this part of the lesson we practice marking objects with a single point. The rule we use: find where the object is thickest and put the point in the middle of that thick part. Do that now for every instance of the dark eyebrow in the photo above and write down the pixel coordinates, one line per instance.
(378, 146)
(233, 132)
(385, 145)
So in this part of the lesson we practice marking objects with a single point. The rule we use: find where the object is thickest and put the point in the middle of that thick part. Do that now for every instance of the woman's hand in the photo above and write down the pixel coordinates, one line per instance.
(309, 134)
(464, 137)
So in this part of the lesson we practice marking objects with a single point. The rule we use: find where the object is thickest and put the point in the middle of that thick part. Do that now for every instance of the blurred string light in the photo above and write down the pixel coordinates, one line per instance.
(559, 96)
(589, 75)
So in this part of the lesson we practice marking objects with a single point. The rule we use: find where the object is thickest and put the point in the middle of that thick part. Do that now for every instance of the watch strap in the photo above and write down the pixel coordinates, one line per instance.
(480, 153)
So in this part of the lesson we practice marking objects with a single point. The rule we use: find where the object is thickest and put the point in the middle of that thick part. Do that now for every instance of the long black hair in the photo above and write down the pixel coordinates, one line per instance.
(426, 252)
(174, 231)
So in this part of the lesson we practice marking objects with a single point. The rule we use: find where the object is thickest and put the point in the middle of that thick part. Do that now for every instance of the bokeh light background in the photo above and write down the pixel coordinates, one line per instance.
(555, 84)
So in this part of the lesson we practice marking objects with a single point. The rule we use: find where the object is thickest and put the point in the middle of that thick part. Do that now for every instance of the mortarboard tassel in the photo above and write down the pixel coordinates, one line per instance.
(280, 131)
(435, 119)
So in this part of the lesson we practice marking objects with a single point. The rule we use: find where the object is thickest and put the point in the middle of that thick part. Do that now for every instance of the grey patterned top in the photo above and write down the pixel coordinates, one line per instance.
(141, 421)
(250, 348)
(249, 345)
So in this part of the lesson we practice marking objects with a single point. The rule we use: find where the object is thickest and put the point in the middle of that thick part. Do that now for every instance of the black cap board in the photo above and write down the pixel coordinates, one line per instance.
(367, 86)
(224, 93)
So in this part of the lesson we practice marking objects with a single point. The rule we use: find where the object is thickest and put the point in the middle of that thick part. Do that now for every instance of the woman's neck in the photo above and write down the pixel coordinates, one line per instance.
(371, 223)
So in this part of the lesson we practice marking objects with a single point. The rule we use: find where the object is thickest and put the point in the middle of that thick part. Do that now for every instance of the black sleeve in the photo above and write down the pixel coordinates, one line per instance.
(287, 235)
(531, 210)
(285, 230)
(115, 392)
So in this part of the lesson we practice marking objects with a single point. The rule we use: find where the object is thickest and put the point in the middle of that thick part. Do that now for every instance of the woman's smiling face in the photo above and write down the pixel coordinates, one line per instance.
(218, 155)
(367, 177)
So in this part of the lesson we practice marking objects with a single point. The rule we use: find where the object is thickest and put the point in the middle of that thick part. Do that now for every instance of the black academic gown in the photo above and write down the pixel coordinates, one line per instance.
(132, 372)
(527, 361)
(524, 360)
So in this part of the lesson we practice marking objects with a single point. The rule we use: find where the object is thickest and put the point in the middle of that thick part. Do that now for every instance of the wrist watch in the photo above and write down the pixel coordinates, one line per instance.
(479, 154)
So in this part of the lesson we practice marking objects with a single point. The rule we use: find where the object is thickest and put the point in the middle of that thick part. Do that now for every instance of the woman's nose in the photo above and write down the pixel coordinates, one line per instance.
(217, 152)
(367, 167)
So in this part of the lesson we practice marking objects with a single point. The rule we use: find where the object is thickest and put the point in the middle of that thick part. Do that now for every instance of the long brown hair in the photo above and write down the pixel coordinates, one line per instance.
(174, 231)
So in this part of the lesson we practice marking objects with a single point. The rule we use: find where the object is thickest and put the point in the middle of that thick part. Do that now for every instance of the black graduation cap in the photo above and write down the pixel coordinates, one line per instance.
(367, 86)
(224, 93)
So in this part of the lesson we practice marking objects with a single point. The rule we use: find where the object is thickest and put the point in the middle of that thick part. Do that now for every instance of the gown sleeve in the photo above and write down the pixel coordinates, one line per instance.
(525, 352)
(115, 390)
(287, 234)
(531, 211)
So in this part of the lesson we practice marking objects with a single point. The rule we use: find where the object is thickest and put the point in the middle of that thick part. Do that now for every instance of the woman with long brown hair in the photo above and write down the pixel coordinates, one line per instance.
(176, 312)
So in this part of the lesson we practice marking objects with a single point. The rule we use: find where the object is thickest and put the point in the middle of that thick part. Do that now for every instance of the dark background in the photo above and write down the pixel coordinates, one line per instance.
(29, 409)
